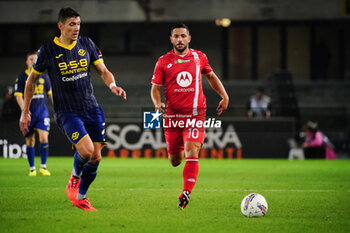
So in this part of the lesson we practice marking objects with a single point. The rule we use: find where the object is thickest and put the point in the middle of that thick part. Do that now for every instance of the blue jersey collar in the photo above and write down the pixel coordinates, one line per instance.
(69, 47)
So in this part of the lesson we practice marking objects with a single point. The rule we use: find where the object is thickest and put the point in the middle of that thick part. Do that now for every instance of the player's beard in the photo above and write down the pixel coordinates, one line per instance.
(181, 50)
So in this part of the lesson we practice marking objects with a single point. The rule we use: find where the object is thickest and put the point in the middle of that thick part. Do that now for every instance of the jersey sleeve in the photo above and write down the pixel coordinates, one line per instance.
(158, 74)
(19, 86)
(95, 53)
(206, 67)
(41, 61)
(47, 85)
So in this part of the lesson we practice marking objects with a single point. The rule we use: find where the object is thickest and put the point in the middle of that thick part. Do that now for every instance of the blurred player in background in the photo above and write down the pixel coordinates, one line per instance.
(40, 120)
(180, 72)
(67, 59)
(259, 105)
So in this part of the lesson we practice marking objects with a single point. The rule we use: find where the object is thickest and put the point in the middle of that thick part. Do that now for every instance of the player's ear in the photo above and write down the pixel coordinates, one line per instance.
(189, 38)
(59, 25)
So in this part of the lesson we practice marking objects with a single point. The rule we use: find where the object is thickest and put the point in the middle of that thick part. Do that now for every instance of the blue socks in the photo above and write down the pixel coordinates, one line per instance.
(86, 171)
(88, 176)
(79, 163)
(44, 152)
(31, 155)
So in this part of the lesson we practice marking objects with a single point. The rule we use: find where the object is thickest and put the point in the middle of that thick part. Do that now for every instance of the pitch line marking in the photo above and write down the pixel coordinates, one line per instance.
(205, 190)
(235, 190)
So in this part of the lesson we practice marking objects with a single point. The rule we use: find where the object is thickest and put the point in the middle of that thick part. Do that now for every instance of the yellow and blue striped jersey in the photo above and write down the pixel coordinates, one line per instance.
(38, 107)
(68, 68)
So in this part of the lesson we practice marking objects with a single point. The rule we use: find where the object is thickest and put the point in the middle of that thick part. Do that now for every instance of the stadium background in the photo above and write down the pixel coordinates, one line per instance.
(271, 43)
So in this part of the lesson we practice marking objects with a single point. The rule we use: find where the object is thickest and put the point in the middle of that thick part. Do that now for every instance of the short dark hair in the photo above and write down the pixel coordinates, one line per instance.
(66, 13)
(31, 53)
(179, 25)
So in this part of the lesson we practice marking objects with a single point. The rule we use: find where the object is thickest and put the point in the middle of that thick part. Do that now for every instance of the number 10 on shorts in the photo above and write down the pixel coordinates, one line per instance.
(193, 133)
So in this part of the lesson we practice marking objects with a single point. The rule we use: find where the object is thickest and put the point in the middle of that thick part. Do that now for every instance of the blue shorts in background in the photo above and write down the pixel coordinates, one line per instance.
(77, 125)
(42, 124)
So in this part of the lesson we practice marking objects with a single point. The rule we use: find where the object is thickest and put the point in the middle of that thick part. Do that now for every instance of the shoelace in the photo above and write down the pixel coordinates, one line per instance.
(75, 182)
(87, 203)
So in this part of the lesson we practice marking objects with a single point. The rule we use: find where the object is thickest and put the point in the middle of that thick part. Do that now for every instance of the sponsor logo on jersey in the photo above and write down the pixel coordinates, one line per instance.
(74, 77)
(184, 79)
(75, 135)
(41, 80)
(81, 52)
(184, 89)
(182, 61)
(59, 55)
(170, 65)
(73, 67)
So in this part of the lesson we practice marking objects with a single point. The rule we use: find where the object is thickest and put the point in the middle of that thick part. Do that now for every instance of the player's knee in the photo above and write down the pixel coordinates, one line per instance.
(86, 152)
(44, 140)
(175, 162)
(192, 152)
(43, 137)
(30, 141)
(95, 160)
(192, 149)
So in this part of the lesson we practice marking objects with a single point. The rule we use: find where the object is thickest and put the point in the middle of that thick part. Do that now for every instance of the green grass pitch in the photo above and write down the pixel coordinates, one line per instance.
(140, 195)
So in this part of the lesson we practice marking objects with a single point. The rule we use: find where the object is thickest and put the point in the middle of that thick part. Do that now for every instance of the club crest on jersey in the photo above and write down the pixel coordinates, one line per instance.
(81, 52)
(184, 79)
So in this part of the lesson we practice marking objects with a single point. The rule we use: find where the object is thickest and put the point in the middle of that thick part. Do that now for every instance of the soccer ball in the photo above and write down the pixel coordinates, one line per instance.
(254, 205)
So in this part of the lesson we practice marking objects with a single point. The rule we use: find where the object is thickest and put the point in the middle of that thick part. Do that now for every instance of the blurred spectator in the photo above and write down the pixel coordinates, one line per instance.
(259, 105)
(316, 143)
(10, 109)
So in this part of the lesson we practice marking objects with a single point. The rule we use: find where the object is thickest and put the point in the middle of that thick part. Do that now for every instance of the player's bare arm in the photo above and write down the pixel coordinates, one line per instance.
(20, 101)
(51, 99)
(157, 99)
(216, 84)
(108, 79)
(25, 119)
